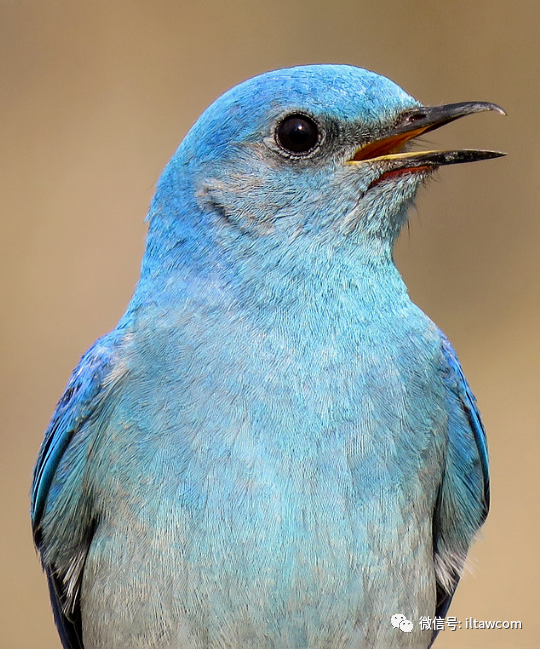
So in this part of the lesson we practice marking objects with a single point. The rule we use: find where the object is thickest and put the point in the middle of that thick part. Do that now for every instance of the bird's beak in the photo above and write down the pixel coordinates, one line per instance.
(388, 150)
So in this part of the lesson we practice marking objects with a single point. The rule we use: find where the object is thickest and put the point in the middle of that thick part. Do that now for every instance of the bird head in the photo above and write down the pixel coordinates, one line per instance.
(314, 157)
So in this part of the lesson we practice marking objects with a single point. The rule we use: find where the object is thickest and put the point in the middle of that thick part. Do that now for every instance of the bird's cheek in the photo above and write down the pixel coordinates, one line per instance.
(355, 178)
(243, 201)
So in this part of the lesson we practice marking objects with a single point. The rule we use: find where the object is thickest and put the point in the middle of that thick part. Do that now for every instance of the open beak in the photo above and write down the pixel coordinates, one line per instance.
(388, 150)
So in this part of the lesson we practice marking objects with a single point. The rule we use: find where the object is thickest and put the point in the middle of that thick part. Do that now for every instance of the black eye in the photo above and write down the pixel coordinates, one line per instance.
(297, 134)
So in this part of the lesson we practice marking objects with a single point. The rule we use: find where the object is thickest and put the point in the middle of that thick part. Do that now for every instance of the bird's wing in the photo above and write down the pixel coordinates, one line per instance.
(56, 485)
(463, 499)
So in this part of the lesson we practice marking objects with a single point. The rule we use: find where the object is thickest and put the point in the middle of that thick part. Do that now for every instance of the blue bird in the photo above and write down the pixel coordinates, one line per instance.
(275, 448)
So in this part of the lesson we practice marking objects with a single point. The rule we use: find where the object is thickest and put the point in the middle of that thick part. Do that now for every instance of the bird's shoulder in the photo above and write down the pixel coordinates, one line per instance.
(98, 373)
(463, 499)
(467, 429)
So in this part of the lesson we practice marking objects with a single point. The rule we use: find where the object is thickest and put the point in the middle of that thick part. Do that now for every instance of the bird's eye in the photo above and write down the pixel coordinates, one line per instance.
(297, 134)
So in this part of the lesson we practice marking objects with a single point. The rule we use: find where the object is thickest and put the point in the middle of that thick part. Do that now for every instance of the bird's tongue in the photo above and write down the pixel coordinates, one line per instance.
(399, 172)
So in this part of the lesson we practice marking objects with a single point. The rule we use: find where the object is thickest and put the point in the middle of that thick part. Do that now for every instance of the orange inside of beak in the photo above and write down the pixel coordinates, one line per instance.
(386, 146)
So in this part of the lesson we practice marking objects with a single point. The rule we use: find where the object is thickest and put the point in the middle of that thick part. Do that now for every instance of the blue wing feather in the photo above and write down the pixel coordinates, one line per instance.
(83, 393)
(69, 628)
(74, 407)
(468, 404)
(463, 501)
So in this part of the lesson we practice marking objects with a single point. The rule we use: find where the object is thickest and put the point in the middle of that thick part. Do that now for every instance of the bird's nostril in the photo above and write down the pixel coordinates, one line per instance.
(415, 117)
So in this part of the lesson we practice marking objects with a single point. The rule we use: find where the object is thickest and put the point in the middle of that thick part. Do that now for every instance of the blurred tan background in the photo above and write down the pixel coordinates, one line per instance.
(95, 97)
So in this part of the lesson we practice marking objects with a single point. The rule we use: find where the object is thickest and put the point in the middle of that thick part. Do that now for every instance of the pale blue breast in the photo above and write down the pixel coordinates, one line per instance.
(264, 485)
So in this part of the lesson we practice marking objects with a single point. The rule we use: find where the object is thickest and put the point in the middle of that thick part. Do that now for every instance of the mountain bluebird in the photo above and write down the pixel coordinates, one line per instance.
(274, 449)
